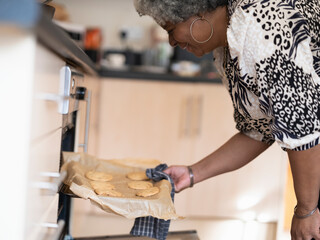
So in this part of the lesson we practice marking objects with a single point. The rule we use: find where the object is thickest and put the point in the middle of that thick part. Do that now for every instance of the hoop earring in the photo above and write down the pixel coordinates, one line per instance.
(191, 26)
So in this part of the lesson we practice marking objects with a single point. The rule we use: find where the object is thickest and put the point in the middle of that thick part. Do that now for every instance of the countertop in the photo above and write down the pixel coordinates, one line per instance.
(142, 75)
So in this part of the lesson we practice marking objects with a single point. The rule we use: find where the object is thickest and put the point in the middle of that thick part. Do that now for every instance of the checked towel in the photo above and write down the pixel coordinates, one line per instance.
(150, 226)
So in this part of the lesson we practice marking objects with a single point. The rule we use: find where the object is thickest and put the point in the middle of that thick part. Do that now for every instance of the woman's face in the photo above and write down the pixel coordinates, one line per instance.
(179, 34)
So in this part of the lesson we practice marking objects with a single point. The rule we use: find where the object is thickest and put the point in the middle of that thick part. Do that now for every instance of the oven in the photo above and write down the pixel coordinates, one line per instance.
(77, 98)
(74, 93)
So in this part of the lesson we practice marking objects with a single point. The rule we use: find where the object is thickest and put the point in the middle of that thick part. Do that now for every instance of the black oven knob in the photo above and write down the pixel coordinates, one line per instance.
(81, 93)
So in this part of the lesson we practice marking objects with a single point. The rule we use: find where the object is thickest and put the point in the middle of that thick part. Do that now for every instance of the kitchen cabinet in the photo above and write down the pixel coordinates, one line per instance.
(33, 52)
(180, 123)
(288, 204)
(145, 119)
(46, 124)
(31, 135)
(253, 191)
(31, 128)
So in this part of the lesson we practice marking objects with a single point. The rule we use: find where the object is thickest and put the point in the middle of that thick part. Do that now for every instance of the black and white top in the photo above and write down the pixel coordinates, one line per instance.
(272, 70)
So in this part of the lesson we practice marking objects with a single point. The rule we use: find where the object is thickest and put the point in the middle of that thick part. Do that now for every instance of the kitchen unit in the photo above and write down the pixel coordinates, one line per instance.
(36, 59)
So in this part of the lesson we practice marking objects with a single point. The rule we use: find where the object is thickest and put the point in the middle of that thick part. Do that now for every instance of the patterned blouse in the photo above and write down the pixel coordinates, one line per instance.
(271, 68)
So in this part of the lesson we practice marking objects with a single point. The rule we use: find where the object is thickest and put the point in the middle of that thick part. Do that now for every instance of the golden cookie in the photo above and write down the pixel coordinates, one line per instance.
(138, 176)
(108, 192)
(148, 192)
(140, 185)
(102, 185)
(98, 176)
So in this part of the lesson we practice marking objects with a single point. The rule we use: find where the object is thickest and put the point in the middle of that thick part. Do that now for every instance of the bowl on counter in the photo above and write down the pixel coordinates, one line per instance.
(186, 69)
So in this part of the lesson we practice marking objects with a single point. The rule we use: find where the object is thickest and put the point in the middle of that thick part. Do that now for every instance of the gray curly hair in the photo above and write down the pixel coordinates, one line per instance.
(175, 11)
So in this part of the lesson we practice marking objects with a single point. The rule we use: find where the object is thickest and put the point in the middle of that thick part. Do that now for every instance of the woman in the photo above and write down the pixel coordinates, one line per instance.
(268, 54)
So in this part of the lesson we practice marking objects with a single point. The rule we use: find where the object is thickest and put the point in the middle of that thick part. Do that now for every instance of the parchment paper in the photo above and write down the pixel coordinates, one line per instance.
(129, 206)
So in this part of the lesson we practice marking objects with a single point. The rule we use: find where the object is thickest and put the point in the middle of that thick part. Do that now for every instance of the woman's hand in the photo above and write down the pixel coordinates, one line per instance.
(180, 177)
(306, 228)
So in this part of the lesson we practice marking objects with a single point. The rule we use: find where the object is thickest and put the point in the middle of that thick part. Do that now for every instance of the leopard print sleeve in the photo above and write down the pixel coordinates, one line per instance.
(272, 71)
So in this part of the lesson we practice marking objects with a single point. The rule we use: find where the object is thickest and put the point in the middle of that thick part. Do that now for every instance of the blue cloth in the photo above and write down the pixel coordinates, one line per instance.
(150, 226)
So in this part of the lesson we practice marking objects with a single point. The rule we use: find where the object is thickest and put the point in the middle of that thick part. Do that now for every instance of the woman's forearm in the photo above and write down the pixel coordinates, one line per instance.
(305, 167)
(235, 153)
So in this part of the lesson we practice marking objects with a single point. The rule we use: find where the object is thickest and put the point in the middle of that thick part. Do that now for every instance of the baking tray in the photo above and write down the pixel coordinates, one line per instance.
(129, 205)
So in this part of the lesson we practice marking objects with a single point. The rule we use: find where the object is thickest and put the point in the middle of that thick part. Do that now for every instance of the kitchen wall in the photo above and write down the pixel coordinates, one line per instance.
(111, 16)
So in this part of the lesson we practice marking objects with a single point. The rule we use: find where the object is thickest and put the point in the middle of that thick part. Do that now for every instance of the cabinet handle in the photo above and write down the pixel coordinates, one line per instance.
(52, 187)
(198, 103)
(58, 226)
(51, 97)
(186, 122)
(61, 100)
(188, 117)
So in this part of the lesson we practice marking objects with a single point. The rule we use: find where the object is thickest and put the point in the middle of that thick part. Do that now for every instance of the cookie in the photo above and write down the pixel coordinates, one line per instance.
(138, 176)
(139, 185)
(102, 185)
(148, 192)
(108, 192)
(98, 176)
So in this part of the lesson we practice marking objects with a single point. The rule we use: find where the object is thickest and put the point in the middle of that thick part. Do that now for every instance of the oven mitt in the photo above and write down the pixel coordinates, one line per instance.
(150, 226)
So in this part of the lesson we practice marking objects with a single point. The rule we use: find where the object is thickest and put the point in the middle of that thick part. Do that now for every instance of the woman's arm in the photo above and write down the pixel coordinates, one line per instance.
(305, 167)
(235, 153)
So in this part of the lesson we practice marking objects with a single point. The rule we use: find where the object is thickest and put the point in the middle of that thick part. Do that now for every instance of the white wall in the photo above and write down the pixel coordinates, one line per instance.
(110, 16)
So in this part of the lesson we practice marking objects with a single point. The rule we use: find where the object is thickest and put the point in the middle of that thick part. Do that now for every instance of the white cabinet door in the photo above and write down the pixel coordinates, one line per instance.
(180, 123)
(45, 144)
(46, 117)
(253, 191)
(142, 119)
(214, 122)
(146, 119)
